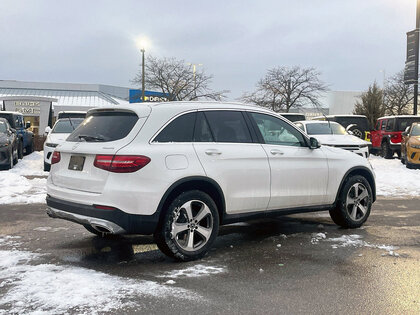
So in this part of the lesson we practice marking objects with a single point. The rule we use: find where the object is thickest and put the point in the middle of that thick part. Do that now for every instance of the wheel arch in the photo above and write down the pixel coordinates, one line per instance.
(362, 171)
(202, 183)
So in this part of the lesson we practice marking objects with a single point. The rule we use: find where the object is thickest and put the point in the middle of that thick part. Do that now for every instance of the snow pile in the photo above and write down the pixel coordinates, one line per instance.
(193, 272)
(394, 179)
(355, 240)
(316, 237)
(46, 288)
(15, 187)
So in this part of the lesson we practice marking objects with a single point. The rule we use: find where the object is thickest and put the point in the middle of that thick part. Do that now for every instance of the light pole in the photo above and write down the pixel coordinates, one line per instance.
(142, 74)
(194, 65)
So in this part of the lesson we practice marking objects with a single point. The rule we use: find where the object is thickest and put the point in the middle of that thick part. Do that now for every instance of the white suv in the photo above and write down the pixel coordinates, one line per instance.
(179, 170)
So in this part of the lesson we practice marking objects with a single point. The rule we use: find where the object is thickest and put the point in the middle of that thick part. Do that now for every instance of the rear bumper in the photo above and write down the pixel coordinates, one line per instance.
(113, 221)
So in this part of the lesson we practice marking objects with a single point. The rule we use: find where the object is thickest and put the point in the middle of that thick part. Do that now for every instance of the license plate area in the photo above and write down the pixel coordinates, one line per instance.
(76, 163)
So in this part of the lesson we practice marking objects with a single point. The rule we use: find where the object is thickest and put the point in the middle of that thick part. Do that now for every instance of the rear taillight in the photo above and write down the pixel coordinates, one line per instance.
(101, 207)
(121, 163)
(55, 157)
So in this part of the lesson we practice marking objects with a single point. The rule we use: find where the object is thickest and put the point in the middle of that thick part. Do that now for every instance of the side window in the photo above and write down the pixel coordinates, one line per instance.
(276, 131)
(179, 130)
(228, 126)
(202, 131)
(383, 124)
(378, 124)
(390, 125)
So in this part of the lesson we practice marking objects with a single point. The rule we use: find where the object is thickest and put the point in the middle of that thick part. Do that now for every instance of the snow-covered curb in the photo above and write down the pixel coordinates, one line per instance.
(15, 187)
(393, 179)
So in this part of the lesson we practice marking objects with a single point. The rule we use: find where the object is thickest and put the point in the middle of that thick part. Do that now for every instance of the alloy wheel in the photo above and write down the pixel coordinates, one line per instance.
(192, 225)
(357, 201)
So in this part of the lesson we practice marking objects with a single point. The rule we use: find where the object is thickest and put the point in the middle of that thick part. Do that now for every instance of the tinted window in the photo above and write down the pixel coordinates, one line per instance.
(9, 118)
(403, 123)
(104, 126)
(181, 129)
(415, 131)
(361, 122)
(66, 125)
(377, 125)
(228, 126)
(383, 125)
(276, 131)
(390, 125)
(202, 130)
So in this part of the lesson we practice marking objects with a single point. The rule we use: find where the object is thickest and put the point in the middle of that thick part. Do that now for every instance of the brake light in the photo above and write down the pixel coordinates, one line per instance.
(121, 163)
(56, 157)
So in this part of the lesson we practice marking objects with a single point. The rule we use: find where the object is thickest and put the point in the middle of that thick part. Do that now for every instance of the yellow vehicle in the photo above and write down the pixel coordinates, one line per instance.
(410, 146)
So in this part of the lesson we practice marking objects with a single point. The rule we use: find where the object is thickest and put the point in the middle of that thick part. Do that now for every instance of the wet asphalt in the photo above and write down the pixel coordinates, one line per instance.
(276, 266)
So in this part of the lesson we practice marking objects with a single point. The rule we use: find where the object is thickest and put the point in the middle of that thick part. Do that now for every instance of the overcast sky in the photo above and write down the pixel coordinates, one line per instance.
(349, 41)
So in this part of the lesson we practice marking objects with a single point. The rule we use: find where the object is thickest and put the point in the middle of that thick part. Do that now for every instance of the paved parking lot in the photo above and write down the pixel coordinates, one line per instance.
(294, 264)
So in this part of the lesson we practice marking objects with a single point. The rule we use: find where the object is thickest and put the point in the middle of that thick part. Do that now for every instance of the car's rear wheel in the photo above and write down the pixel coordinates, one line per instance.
(20, 150)
(188, 226)
(386, 151)
(15, 156)
(10, 163)
(354, 203)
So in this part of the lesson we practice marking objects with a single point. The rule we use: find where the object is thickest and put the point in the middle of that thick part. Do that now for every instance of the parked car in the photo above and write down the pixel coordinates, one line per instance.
(334, 135)
(293, 116)
(357, 124)
(58, 134)
(386, 137)
(179, 170)
(410, 146)
(8, 145)
(25, 137)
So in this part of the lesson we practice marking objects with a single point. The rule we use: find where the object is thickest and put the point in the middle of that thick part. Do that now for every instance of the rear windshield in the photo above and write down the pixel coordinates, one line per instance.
(325, 129)
(104, 126)
(403, 123)
(66, 125)
(9, 119)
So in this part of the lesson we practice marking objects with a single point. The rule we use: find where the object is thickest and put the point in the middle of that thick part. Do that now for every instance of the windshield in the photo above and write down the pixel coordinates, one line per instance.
(66, 125)
(415, 131)
(3, 127)
(325, 129)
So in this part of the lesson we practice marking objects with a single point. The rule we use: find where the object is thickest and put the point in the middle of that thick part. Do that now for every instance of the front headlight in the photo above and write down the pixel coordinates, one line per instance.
(51, 145)
(415, 146)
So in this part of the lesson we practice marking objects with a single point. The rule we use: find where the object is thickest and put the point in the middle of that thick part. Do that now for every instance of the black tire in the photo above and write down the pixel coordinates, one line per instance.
(47, 167)
(20, 150)
(409, 165)
(402, 159)
(30, 147)
(15, 156)
(346, 215)
(203, 216)
(386, 151)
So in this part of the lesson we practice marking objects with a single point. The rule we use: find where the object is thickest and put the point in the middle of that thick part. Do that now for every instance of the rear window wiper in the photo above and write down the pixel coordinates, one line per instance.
(90, 138)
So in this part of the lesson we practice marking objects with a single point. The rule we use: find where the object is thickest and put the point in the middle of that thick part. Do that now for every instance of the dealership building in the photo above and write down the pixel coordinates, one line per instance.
(41, 102)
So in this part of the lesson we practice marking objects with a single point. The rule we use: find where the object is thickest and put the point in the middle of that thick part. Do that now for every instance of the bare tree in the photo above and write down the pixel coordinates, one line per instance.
(371, 104)
(176, 78)
(398, 96)
(284, 88)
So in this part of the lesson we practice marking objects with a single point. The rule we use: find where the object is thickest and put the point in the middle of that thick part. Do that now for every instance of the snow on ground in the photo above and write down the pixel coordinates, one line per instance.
(36, 288)
(393, 179)
(355, 240)
(198, 270)
(15, 187)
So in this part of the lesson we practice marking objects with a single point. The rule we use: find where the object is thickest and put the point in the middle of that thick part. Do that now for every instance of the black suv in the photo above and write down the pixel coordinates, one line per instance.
(26, 137)
(357, 124)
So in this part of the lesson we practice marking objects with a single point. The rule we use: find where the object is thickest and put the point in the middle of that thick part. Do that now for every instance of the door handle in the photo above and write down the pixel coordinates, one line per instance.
(276, 152)
(213, 152)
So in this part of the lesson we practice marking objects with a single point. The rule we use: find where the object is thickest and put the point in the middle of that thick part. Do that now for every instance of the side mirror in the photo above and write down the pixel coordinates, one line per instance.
(404, 134)
(28, 124)
(47, 130)
(313, 143)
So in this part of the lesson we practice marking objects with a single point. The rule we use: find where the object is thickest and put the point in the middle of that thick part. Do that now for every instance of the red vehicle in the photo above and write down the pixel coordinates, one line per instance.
(386, 137)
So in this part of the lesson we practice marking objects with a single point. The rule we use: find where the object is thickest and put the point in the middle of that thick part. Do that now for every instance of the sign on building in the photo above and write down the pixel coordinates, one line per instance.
(149, 96)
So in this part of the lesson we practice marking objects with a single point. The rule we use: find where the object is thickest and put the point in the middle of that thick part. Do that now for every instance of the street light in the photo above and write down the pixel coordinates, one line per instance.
(142, 43)
(194, 65)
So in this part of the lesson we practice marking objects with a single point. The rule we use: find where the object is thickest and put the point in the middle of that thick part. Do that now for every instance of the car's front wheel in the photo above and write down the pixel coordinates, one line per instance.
(188, 227)
(354, 203)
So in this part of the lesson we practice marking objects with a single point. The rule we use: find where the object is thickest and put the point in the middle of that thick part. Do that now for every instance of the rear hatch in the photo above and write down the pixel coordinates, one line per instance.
(103, 132)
